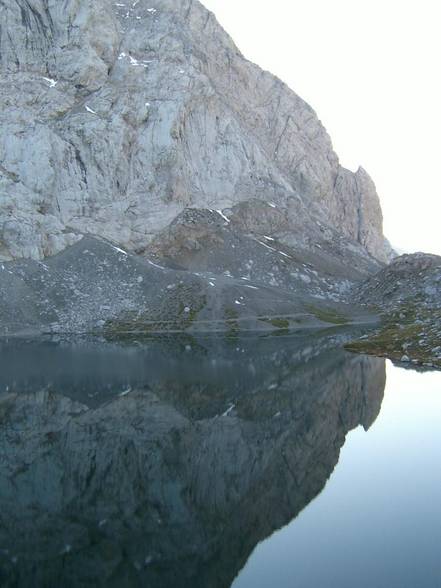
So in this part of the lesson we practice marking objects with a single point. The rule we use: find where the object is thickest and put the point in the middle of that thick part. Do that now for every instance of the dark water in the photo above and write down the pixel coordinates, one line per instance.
(254, 462)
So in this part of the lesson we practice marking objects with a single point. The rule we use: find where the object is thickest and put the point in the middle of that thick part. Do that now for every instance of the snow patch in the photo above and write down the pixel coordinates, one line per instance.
(52, 83)
(223, 216)
(265, 245)
(155, 265)
(119, 250)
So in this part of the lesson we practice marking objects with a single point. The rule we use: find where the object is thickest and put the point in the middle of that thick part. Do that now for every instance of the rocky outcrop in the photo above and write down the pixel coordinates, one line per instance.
(174, 484)
(117, 116)
(414, 278)
(408, 294)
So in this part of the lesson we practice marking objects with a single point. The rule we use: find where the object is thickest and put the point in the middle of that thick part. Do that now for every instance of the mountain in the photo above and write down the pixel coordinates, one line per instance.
(118, 117)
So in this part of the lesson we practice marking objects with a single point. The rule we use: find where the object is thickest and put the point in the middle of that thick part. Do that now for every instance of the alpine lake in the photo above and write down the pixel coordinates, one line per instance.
(211, 462)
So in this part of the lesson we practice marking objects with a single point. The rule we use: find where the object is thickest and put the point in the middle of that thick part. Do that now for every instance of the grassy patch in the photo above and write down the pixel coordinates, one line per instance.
(276, 322)
(231, 317)
(327, 315)
(411, 331)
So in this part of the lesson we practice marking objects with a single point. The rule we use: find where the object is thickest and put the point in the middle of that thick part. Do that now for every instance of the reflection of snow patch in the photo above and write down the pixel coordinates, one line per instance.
(228, 411)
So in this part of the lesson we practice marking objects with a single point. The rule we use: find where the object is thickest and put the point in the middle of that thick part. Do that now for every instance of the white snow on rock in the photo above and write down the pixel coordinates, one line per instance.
(52, 83)
(223, 216)
(119, 250)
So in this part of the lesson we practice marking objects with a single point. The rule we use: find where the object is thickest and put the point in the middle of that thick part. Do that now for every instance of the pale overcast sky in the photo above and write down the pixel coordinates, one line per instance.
(371, 70)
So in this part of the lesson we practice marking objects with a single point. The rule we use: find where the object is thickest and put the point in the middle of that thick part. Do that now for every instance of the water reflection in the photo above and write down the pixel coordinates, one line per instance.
(163, 464)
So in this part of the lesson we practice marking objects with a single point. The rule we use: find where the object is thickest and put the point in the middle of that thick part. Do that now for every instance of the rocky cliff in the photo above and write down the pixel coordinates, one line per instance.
(115, 117)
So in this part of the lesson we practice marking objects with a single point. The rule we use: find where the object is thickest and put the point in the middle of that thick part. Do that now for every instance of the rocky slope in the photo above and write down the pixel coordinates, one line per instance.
(97, 287)
(408, 295)
(116, 117)
(174, 484)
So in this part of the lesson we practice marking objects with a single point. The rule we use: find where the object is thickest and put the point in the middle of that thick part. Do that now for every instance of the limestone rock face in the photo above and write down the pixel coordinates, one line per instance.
(116, 116)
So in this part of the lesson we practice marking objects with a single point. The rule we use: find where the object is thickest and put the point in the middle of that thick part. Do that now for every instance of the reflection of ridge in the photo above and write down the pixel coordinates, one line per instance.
(156, 488)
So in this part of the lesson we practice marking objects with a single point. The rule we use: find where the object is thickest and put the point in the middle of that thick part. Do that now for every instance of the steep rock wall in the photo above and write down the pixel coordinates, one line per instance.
(116, 116)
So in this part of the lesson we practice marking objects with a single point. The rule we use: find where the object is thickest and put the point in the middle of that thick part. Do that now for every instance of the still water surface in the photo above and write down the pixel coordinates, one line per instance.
(377, 522)
(254, 462)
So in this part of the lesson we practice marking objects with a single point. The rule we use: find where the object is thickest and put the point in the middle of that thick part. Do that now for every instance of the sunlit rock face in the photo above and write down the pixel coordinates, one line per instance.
(117, 116)
(174, 483)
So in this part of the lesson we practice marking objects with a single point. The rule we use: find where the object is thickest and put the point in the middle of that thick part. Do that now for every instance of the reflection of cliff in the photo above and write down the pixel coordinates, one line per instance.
(150, 489)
